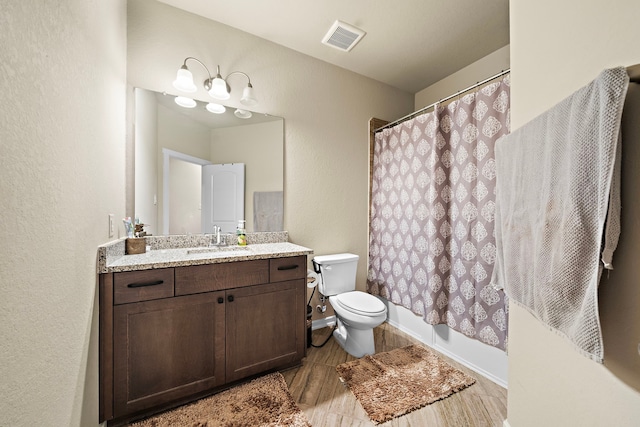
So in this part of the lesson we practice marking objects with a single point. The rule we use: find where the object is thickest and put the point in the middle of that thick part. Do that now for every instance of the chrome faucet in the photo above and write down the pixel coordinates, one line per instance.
(216, 231)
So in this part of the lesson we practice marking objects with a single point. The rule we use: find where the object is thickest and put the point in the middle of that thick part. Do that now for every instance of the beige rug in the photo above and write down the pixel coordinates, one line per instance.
(399, 381)
(263, 402)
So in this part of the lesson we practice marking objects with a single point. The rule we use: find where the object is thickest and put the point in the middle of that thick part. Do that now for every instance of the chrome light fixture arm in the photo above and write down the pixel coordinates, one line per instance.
(248, 97)
(217, 87)
(207, 82)
(238, 72)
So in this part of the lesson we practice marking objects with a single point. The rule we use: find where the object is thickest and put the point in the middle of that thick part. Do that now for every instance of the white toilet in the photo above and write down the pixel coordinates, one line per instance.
(357, 312)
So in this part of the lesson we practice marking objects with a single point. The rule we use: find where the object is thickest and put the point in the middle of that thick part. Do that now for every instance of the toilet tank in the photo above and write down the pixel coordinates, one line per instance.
(338, 273)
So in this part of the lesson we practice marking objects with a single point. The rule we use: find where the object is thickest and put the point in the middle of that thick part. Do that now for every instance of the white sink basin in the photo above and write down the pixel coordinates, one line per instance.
(218, 250)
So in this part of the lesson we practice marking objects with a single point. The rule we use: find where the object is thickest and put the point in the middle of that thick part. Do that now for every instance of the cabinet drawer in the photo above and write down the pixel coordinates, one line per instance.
(217, 277)
(281, 269)
(143, 285)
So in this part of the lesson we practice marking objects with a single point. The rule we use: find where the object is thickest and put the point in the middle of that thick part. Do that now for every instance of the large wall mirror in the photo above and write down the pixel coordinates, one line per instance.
(173, 145)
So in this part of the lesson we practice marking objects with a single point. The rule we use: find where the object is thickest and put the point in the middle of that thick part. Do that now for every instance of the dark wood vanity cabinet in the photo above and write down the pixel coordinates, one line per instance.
(170, 335)
(166, 349)
(263, 328)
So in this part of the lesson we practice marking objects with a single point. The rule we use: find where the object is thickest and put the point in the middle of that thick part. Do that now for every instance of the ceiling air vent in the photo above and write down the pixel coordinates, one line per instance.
(343, 36)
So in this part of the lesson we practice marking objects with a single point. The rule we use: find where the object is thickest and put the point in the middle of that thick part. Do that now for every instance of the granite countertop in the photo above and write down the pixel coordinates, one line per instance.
(178, 257)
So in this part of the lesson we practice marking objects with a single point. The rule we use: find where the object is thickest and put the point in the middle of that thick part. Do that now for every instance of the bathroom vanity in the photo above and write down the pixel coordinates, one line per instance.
(179, 323)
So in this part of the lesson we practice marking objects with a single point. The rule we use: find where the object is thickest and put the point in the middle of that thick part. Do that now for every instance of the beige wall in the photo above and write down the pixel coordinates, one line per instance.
(325, 108)
(180, 133)
(62, 149)
(185, 193)
(476, 72)
(177, 133)
(260, 148)
(62, 170)
(146, 159)
(556, 48)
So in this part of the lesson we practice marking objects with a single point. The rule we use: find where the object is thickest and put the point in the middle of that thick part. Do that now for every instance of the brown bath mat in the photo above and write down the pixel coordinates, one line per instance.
(265, 401)
(399, 381)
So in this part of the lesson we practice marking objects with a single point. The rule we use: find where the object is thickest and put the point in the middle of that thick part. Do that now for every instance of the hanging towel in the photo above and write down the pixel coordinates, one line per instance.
(558, 209)
(268, 211)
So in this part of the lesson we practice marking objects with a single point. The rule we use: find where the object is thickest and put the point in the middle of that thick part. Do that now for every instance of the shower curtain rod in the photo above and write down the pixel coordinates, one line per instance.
(415, 113)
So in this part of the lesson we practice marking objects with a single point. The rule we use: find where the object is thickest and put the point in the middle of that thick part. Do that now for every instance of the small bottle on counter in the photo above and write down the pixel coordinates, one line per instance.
(241, 233)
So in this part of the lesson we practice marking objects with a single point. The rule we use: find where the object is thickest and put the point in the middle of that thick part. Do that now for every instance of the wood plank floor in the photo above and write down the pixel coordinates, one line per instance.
(316, 388)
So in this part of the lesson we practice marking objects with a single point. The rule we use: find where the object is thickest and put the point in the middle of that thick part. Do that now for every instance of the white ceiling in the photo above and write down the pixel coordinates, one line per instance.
(410, 44)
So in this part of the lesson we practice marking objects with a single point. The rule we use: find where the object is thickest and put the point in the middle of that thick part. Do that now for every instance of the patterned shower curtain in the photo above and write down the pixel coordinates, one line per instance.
(431, 239)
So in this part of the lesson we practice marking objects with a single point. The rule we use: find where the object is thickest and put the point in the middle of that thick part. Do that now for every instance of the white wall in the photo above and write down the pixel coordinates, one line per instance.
(62, 133)
(556, 48)
(325, 108)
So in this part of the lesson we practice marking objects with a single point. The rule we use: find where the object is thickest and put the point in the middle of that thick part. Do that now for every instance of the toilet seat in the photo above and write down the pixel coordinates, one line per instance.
(361, 303)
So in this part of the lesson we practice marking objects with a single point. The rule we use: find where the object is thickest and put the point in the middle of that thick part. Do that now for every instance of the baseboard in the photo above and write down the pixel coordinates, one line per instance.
(485, 360)
(323, 323)
(500, 381)
(331, 320)
(407, 331)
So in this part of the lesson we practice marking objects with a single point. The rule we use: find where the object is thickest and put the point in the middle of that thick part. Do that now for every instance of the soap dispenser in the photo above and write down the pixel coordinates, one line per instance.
(241, 233)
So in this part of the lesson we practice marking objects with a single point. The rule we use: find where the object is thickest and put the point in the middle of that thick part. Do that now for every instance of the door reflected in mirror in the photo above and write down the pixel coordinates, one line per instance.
(173, 143)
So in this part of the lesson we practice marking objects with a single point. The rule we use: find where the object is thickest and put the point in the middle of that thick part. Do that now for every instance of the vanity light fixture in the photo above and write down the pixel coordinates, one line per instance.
(217, 86)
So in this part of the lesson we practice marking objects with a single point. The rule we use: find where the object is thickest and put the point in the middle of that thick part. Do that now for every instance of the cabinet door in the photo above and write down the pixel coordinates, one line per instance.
(167, 349)
(265, 328)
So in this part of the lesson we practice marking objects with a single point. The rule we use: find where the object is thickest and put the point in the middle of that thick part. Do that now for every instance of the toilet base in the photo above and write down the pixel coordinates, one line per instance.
(356, 342)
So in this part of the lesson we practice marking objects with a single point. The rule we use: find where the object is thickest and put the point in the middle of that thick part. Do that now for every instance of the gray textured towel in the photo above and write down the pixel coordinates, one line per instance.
(557, 204)
(268, 209)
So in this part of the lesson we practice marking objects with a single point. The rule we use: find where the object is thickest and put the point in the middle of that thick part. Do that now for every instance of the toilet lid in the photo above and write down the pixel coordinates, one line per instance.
(361, 303)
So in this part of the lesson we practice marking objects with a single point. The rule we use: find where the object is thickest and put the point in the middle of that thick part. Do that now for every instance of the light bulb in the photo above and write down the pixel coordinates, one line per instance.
(242, 114)
(185, 102)
(215, 108)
